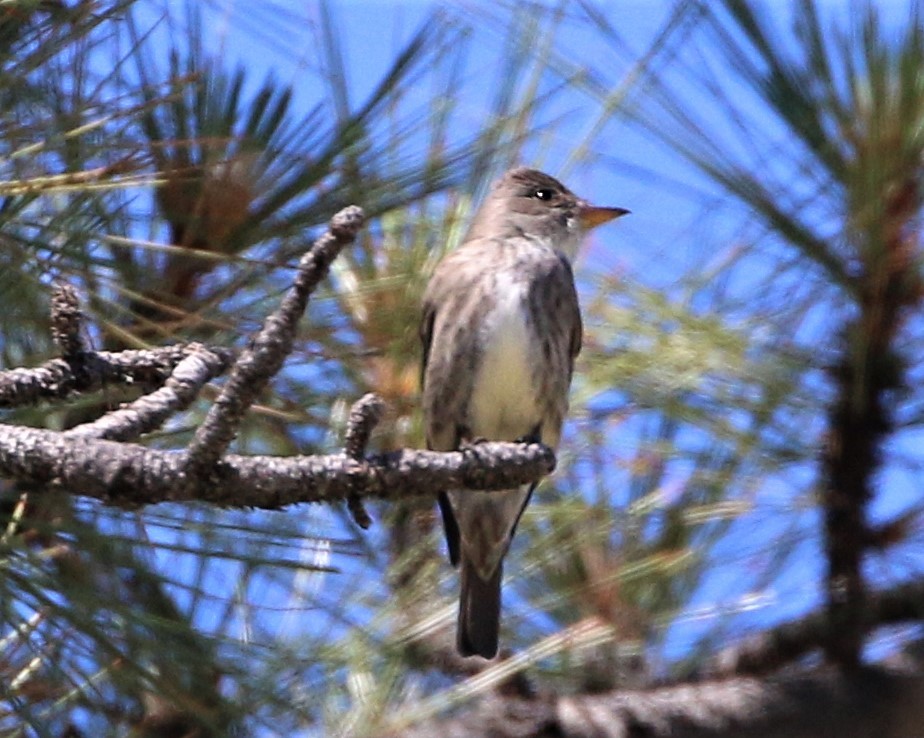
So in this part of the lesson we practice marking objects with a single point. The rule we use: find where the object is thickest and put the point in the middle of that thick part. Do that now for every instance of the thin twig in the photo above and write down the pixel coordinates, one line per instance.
(66, 321)
(364, 416)
(58, 379)
(149, 412)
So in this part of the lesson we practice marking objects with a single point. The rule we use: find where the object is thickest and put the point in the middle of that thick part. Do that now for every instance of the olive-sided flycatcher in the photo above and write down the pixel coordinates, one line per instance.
(501, 329)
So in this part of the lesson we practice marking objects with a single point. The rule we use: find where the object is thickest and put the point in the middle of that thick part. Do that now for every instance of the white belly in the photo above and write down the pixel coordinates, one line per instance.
(503, 405)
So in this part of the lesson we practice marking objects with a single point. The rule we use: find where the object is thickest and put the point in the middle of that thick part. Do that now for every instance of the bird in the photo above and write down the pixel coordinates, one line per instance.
(500, 329)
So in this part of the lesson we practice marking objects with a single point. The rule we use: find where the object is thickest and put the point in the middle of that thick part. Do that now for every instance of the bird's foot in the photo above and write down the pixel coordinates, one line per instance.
(534, 436)
(466, 444)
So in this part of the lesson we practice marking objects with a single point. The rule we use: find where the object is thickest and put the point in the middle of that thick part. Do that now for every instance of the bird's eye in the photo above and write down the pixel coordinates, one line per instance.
(544, 193)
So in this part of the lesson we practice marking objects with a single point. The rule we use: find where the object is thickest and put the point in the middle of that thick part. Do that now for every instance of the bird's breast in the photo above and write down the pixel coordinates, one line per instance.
(504, 401)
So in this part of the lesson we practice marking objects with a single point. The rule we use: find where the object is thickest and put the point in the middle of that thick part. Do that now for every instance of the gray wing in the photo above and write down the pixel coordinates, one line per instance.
(437, 299)
(428, 317)
(573, 312)
(426, 337)
(556, 304)
(447, 332)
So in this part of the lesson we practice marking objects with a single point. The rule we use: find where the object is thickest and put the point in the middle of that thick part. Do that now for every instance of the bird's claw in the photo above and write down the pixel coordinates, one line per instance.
(467, 444)
(534, 436)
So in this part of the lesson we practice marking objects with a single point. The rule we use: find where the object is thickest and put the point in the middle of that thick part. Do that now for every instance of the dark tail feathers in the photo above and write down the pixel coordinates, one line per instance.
(479, 612)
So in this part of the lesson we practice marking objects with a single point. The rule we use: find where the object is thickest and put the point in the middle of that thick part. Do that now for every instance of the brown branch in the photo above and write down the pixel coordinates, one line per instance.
(868, 702)
(259, 363)
(759, 655)
(149, 412)
(66, 321)
(776, 647)
(364, 416)
(130, 475)
(861, 418)
(60, 379)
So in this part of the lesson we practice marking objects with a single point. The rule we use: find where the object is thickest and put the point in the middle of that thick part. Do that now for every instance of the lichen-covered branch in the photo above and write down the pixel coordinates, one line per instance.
(60, 379)
(364, 416)
(66, 321)
(130, 475)
(260, 362)
(149, 412)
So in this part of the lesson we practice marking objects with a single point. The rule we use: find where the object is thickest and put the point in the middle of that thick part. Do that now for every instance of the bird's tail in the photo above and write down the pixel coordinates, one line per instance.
(479, 611)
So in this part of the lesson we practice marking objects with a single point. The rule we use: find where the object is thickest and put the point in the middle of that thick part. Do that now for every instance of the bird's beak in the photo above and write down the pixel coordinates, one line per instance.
(591, 216)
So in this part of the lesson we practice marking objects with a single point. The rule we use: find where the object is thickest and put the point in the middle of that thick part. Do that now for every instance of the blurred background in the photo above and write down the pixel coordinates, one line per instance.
(752, 355)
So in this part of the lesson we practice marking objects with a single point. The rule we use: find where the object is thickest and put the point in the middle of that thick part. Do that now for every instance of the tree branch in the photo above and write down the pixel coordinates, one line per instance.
(66, 321)
(259, 363)
(769, 650)
(60, 379)
(130, 475)
(868, 702)
(364, 416)
(149, 412)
